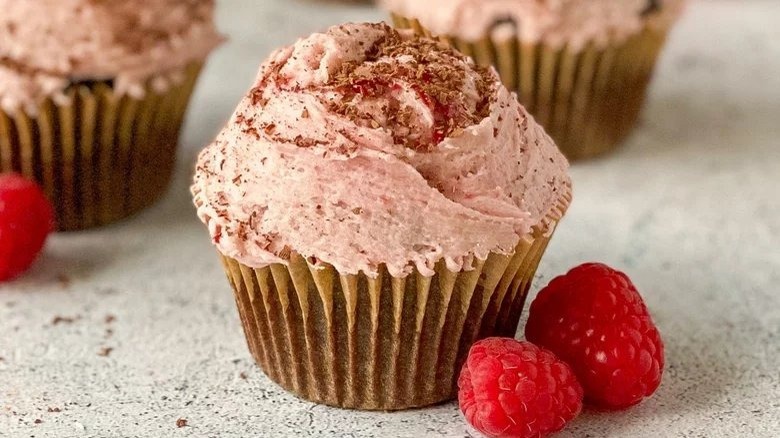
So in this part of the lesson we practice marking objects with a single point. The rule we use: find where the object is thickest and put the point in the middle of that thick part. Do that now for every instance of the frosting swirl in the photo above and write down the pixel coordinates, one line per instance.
(363, 146)
(45, 45)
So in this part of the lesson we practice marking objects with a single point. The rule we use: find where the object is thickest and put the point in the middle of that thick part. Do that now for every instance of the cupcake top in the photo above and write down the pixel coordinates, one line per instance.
(571, 22)
(364, 146)
(46, 45)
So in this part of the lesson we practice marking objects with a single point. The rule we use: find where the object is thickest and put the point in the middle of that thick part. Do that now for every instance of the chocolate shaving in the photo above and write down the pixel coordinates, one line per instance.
(285, 253)
(256, 95)
(64, 320)
(652, 7)
(436, 74)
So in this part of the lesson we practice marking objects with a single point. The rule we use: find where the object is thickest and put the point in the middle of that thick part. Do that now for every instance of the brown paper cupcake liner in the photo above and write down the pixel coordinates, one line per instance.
(588, 100)
(382, 343)
(101, 157)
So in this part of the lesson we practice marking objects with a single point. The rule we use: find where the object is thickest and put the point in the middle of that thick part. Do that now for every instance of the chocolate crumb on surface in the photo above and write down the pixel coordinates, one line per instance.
(64, 319)
(38, 421)
(181, 422)
(54, 409)
(63, 279)
(105, 351)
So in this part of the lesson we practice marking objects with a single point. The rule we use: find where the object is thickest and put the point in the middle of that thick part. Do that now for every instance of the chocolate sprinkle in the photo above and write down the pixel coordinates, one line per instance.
(653, 6)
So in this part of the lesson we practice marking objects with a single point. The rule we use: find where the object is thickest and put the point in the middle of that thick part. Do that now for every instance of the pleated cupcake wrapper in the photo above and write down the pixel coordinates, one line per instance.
(382, 343)
(100, 157)
(588, 100)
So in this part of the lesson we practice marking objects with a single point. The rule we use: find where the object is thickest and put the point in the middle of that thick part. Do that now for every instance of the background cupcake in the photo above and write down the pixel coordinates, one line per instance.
(92, 96)
(582, 67)
(379, 203)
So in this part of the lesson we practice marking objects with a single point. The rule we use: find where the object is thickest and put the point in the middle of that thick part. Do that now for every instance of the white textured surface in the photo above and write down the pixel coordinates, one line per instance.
(689, 209)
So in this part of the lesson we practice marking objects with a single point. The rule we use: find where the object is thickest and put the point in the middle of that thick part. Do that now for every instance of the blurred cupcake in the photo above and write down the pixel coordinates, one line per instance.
(380, 203)
(354, 2)
(92, 96)
(582, 67)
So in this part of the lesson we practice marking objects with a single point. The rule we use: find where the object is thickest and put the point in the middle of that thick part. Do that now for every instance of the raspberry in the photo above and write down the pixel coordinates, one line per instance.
(509, 388)
(26, 219)
(594, 319)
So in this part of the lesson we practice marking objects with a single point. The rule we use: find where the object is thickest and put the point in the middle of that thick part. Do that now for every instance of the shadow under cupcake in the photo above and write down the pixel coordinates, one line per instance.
(93, 96)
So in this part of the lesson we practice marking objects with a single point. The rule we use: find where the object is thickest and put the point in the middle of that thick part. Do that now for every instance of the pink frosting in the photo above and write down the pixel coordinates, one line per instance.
(361, 146)
(557, 22)
(47, 44)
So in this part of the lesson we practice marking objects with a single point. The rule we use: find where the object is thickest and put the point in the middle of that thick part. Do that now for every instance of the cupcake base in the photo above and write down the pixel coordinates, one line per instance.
(588, 100)
(101, 157)
(382, 343)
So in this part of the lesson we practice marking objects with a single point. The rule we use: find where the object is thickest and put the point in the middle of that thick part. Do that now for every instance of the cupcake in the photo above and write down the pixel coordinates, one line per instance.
(581, 67)
(379, 203)
(92, 96)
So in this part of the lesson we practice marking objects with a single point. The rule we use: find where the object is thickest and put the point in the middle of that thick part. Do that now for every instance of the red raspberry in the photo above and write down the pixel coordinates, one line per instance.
(515, 389)
(594, 319)
(26, 219)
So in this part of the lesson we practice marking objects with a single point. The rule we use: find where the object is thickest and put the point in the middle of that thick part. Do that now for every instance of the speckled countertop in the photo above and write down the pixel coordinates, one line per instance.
(120, 332)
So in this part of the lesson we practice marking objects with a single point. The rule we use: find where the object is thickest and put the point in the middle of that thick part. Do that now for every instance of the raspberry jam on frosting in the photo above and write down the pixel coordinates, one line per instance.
(362, 146)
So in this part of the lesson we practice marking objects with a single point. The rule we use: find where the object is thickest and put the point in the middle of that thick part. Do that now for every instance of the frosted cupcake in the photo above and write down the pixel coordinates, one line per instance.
(582, 67)
(379, 203)
(92, 96)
